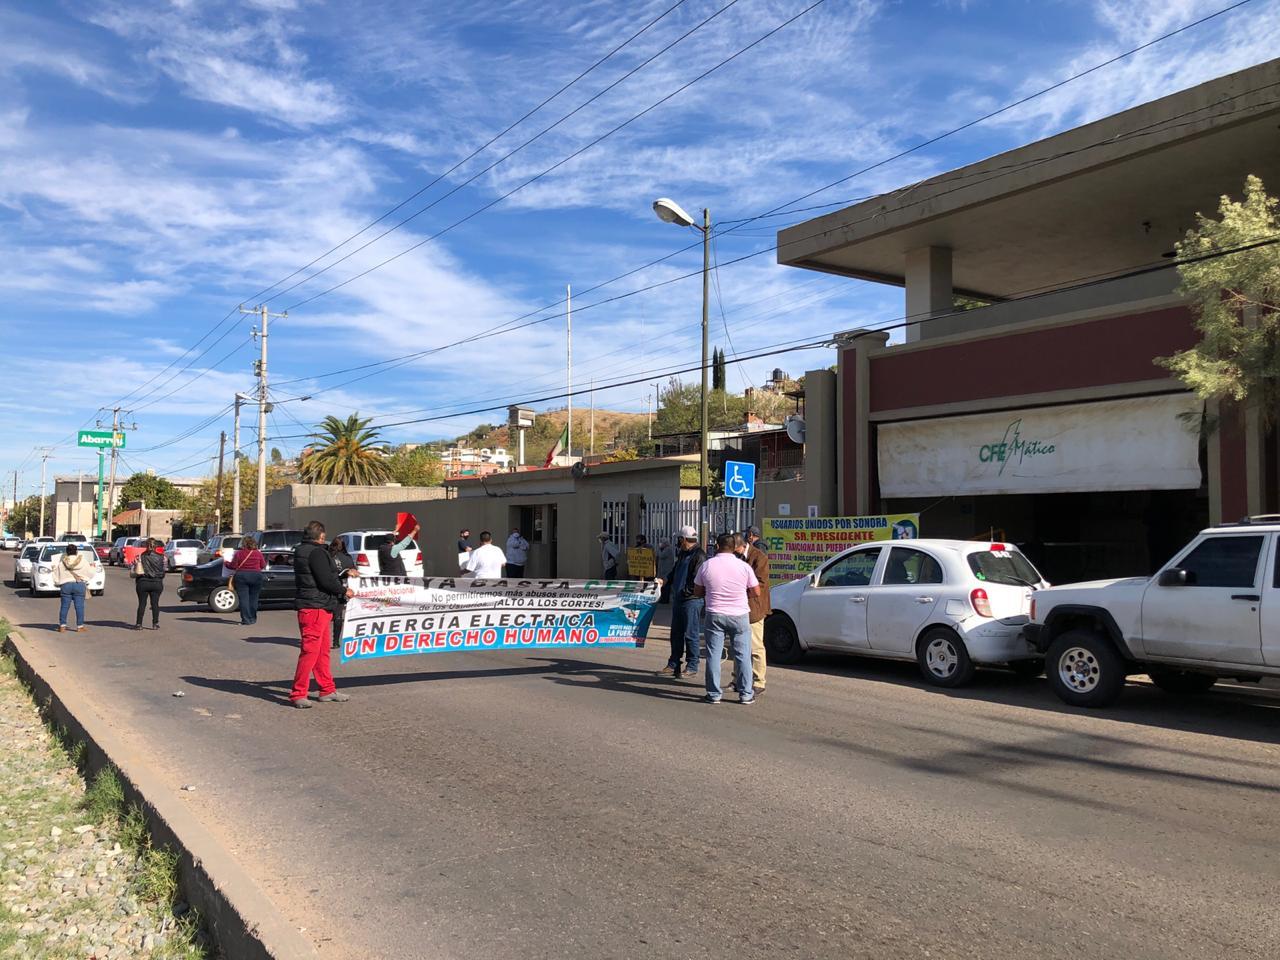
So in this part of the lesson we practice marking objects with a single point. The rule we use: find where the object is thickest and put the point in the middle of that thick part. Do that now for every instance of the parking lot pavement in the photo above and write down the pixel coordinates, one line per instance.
(576, 805)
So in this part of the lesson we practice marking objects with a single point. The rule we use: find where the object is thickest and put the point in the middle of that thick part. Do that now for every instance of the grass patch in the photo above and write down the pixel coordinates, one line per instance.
(104, 798)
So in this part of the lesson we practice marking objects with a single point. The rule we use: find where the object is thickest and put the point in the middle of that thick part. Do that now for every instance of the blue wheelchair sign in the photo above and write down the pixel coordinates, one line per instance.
(739, 480)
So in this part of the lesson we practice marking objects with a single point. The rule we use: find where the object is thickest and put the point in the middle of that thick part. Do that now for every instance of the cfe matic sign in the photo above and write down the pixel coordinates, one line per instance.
(99, 438)
(1012, 448)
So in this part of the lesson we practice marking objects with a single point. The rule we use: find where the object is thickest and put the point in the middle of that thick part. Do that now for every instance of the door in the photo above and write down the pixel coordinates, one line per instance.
(833, 612)
(903, 599)
(1216, 614)
(1271, 610)
(277, 581)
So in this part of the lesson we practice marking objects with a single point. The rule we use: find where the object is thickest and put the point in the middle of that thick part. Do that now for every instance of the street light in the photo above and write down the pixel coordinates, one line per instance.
(669, 211)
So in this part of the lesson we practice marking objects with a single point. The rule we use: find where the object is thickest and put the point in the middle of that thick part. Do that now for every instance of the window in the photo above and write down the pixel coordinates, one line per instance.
(375, 540)
(911, 566)
(1223, 562)
(280, 539)
(851, 570)
(1005, 566)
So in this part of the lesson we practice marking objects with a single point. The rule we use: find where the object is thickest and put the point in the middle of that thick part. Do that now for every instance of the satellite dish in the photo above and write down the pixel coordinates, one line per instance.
(795, 429)
(579, 470)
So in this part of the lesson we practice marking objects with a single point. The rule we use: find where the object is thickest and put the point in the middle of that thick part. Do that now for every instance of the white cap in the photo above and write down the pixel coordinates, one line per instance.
(688, 533)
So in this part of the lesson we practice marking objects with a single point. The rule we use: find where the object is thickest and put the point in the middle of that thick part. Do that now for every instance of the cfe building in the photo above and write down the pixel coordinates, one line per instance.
(1019, 396)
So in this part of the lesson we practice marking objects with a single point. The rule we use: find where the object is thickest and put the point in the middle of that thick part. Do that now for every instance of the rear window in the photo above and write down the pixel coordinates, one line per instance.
(1003, 566)
(277, 539)
(374, 540)
(232, 542)
(188, 543)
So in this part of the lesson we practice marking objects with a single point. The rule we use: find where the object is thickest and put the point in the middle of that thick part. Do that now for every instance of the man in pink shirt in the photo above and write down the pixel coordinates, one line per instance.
(726, 582)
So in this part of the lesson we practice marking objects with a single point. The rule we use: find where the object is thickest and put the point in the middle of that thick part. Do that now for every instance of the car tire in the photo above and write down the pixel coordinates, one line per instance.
(781, 642)
(97, 593)
(1084, 669)
(31, 589)
(1027, 669)
(1181, 683)
(223, 600)
(943, 658)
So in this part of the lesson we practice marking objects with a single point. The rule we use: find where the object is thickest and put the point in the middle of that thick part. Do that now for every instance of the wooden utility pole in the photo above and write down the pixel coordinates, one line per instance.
(217, 498)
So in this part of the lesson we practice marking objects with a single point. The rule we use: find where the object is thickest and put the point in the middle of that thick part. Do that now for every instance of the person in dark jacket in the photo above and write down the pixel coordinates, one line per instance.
(345, 566)
(390, 559)
(318, 590)
(148, 572)
(686, 609)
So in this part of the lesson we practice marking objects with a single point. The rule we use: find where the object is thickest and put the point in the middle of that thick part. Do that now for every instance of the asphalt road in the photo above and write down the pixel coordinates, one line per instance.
(497, 806)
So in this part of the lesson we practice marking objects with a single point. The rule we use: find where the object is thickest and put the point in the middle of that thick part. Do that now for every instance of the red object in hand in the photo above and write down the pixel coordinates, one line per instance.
(405, 522)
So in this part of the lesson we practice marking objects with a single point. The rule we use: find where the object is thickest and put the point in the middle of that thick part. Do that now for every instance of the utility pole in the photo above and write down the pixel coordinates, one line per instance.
(261, 369)
(217, 497)
(115, 429)
(44, 460)
(593, 416)
(235, 466)
(15, 501)
(568, 319)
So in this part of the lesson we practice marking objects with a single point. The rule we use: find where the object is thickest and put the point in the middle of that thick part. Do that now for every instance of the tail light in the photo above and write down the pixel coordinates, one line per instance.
(981, 602)
(418, 562)
(362, 559)
(187, 578)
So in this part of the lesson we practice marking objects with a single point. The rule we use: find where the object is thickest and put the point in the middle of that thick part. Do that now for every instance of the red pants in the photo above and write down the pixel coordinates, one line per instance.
(313, 625)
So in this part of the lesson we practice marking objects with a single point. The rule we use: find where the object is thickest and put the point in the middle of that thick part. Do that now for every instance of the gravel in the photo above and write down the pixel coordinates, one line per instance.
(68, 888)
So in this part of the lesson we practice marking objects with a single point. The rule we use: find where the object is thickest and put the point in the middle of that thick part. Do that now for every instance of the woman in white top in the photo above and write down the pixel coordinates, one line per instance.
(71, 574)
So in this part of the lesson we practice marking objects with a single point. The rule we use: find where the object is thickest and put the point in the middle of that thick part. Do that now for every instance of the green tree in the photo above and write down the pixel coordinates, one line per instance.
(202, 506)
(156, 492)
(419, 467)
(276, 456)
(1235, 298)
(717, 369)
(25, 516)
(681, 410)
(348, 452)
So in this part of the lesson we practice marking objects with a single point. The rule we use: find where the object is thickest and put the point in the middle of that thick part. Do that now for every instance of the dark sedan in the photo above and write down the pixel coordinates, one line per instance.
(207, 583)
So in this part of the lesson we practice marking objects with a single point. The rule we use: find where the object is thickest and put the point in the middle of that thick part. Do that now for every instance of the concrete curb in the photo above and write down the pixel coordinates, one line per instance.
(244, 923)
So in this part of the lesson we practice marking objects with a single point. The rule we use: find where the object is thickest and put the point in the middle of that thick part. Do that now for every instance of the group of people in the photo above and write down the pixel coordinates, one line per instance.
(717, 602)
(74, 569)
(488, 561)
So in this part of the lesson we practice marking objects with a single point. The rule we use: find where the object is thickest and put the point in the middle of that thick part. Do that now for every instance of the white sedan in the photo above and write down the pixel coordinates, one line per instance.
(949, 605)
(42, 570)
(22, 563)
(182, 553)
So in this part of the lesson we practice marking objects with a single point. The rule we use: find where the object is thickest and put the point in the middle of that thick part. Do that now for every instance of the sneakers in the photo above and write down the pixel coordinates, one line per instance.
(62, 628)
(757, 692)
(137, 626)
(710, 699)
(80, 629)
(303, 704)
(689, 673)
(746, 701)
(667, 671)
(334, 697)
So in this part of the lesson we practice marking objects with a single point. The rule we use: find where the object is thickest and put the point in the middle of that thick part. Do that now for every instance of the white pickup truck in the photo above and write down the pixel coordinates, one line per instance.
(1212, 612)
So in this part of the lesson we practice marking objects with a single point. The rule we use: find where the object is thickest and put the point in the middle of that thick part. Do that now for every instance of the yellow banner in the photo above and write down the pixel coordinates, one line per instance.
(798, 545)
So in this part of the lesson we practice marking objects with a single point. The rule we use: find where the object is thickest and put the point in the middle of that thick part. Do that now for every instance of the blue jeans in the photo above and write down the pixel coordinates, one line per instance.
(736, 629)
(686, 632)
(248, 587)
(72, 593)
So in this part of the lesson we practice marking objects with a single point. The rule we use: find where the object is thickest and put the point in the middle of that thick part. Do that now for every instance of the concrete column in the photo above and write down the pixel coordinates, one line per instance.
(820, 453)
(853, 427)
(929, 290)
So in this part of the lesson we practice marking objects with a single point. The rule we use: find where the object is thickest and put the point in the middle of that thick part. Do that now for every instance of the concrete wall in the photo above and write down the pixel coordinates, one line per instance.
(284, 505)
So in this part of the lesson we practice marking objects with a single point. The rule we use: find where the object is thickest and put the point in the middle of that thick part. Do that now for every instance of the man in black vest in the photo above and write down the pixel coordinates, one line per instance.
(390, 561)
(318, 591)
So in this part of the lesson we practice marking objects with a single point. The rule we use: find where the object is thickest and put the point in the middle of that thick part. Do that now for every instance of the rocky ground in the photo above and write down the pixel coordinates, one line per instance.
(78, 876)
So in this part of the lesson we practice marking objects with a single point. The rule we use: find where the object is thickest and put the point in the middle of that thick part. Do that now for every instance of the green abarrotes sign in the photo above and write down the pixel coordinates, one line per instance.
(100, 438)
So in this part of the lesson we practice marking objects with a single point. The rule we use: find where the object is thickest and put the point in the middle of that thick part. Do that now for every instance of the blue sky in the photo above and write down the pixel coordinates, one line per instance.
(162, 161)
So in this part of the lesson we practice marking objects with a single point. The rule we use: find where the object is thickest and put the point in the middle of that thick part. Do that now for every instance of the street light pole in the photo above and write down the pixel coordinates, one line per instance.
(705, 481)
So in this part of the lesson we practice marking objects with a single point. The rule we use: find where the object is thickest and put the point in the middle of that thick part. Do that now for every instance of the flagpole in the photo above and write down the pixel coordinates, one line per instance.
(568, 317)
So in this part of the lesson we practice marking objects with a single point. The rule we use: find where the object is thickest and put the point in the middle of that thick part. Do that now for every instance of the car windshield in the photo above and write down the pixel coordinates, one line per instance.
(373, 541)
(1003, 566)
(51, 550)
(29, 552)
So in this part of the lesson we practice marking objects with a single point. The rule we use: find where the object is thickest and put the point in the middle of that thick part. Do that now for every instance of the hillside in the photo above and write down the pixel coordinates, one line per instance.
(610, 425)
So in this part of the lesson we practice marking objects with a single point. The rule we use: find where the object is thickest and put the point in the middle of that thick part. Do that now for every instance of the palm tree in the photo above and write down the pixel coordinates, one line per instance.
(347, 452)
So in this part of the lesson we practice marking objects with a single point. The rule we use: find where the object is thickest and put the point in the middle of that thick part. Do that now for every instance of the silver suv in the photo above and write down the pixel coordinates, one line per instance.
(1212, 612)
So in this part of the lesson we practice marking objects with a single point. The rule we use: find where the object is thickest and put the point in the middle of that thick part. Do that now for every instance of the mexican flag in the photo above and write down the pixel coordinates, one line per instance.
(560, 447)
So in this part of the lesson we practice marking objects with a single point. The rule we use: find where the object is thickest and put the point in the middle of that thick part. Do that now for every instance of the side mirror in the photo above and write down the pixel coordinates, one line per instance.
(1174, 577)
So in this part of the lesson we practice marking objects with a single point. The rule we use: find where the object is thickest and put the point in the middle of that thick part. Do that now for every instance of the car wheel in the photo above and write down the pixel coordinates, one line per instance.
(943, 658)
(781, 642)
(1181, 682)
(1027, 669)
(31, 589)
(1084, 669)
(98, 593)
(224, 600)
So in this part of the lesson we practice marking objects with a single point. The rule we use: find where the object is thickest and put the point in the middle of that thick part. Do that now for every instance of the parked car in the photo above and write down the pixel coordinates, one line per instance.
(117, 549)
(182, 553)
(363, 546)
(11, 541)
(224, 545)
(269, 540)
(72, 537)
(43, 540)
(1211, 612)
(22, 563)
(948, 605)
(102, 549)
(207, 583)
(42, 570)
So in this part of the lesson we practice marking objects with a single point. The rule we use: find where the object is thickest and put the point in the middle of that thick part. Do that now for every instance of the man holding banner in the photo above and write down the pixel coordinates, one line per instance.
(318, 591)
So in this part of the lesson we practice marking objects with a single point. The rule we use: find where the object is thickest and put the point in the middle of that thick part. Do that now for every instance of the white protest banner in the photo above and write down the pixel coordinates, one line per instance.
(391, 616)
